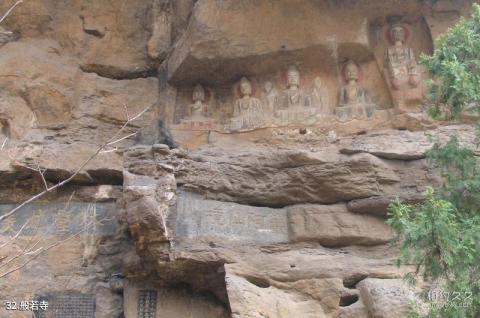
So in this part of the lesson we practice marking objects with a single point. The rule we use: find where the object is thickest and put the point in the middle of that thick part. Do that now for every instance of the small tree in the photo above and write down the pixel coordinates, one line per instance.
(441, 236)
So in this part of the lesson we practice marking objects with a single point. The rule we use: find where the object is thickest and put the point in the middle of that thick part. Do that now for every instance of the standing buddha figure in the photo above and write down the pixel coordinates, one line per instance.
(402, 72)
(354, 100)
(198, 110)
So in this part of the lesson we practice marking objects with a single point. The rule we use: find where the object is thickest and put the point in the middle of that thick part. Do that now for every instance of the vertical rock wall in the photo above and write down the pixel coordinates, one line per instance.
(272, 138)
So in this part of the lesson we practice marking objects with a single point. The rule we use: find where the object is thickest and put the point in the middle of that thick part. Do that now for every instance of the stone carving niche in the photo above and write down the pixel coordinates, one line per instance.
(401, 71)
(198, 112)
(283, 98)
(354, 100)
(248, 111)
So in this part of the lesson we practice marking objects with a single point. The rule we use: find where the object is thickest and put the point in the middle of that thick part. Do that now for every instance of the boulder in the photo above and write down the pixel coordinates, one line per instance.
(251, 298)
(384, 298)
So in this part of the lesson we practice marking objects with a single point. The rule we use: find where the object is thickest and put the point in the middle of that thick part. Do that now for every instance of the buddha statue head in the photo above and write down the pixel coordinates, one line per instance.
(398, 34)
(351, 71)
(293, 77)
(245, 87)
(268, 87)
(198, 93)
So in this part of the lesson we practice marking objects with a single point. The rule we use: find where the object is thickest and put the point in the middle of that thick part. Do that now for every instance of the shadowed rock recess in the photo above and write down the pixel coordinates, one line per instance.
(255, 184)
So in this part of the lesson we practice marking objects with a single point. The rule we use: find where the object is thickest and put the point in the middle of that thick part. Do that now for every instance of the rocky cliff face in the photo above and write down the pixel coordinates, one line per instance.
(255, 183)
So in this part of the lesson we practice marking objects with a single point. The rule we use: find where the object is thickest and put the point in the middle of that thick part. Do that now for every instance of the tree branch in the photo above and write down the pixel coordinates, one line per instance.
(15, 236)
(4, 143)
(10, 10)
(77, 171)
(40, 253)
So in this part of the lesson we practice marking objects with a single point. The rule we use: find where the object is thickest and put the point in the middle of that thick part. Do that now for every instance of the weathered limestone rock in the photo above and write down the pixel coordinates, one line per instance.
(386, 297)
(29, 20)
(117, 34)
(333, 225)
(274, 207)
(109, 38)
(110, 98)
(45, 84)
(170, 302)
(149, 190)
(329, 225)
(283, 177)
(210, 39)
(65, 281)
(61, 161)
(406, 145)
(200, 219)
(378, 205)
(6, 36)
(255, 300)
(161, 39)
(16, 118)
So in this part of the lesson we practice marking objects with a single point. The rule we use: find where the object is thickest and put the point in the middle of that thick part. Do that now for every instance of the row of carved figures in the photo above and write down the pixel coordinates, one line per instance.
(294, 105)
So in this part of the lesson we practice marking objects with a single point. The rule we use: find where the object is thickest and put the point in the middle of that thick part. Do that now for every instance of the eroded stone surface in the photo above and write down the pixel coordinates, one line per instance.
(387, 297)
(273, 206)
(333, 225)
(407, 145)
(197, 218)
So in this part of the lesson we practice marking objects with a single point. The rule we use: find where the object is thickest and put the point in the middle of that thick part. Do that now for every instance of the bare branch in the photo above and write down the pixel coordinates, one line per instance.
(126, 111)
(15, 236)
(20, 254)
(138, 115)
(10, 10)
(41, 172)
(40, 253)
(123, 138)
(32, 253)
(78, 170)
(110, 150)
(4, 143)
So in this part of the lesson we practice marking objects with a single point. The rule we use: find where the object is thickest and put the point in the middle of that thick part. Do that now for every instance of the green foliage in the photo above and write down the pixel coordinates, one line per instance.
(455, 66)
(441, 235)
(443, 244)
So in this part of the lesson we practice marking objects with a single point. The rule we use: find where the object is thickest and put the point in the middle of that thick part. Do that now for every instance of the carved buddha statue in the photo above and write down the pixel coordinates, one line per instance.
(293, 96)
(295, 106)
(351, 93)
(320, 98)
(198, 110)
(354, 100)
(247, 110)
(402, 71)
(270, 97)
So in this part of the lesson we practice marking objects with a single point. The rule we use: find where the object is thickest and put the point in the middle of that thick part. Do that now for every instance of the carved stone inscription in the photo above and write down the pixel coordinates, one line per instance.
(58, 218)
(67, 305)
(147, 304)
(198, 217)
